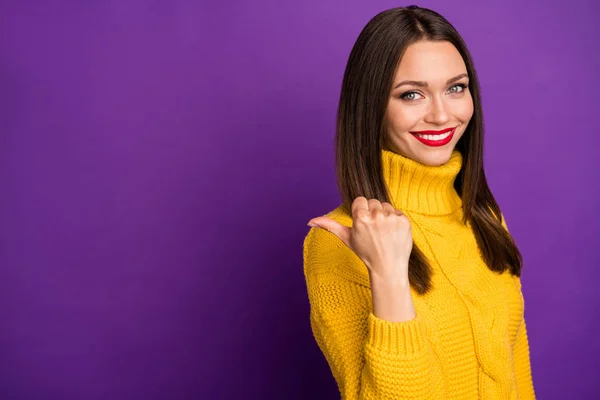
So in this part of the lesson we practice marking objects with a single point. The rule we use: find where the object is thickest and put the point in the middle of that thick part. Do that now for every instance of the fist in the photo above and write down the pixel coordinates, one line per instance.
(380, 236)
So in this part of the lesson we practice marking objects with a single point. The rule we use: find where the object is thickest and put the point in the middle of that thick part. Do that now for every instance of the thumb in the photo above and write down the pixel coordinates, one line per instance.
(339, 230)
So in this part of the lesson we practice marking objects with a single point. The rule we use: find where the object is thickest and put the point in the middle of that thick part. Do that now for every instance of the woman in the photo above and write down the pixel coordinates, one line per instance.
(414, 281)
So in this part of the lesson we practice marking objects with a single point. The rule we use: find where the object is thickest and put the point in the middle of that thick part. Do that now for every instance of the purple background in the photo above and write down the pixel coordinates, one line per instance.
(159, 161)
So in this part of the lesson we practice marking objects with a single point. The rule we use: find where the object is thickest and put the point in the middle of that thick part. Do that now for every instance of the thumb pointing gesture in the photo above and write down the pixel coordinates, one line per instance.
(380, 236)
(339, 230)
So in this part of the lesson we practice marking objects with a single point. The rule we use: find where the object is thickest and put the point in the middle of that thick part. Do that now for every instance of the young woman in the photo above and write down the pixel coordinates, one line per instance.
(414, 281)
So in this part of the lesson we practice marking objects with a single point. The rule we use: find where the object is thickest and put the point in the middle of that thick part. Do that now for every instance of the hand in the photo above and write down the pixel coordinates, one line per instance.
(380, 236)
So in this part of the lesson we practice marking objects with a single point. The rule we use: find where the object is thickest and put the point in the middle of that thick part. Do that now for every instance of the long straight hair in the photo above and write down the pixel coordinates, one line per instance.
(360, 131)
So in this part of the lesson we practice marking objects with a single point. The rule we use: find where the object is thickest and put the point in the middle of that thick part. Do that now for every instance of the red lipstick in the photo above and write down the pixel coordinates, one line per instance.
(433, 132)
(435, 142)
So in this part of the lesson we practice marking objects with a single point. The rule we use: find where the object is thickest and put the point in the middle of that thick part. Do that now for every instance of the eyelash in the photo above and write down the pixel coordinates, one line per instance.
(461, 85)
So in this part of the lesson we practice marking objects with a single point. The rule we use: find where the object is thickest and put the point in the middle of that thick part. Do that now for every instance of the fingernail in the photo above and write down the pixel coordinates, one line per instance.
(312, 225)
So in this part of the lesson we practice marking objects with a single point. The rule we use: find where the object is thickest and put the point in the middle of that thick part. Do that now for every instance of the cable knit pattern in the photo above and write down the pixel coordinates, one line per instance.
(468, 339)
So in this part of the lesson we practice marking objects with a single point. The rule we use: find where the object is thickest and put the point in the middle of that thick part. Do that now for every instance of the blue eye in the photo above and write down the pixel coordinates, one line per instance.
(412, 95)
(406, 96)
(462, 87)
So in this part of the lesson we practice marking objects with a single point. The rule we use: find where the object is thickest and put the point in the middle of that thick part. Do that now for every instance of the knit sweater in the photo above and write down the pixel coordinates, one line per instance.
(468, 339)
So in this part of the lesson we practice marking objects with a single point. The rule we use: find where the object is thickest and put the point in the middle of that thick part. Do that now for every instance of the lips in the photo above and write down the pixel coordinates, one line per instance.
(433, 132)
(435, 142)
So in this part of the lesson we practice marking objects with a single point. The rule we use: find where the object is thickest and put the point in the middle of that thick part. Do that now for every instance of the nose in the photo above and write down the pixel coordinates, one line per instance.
(437, 113)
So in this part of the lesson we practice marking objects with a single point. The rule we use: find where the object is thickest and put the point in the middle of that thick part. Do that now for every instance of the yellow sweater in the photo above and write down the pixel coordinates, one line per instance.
(468, 339)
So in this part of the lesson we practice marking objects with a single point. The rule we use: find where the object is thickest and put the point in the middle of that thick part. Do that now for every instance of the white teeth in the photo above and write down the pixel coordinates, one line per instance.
(435, 137)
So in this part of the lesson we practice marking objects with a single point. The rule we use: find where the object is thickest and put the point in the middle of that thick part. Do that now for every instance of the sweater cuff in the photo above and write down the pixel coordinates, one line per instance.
(404, 338)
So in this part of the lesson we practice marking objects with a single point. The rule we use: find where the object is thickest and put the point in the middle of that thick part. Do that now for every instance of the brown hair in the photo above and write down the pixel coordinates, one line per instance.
(366, 87)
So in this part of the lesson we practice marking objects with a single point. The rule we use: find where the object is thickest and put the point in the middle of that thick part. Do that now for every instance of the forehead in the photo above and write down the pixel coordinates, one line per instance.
(433, 62)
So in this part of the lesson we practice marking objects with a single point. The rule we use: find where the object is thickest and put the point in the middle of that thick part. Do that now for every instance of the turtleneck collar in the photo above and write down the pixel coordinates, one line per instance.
(419, 188)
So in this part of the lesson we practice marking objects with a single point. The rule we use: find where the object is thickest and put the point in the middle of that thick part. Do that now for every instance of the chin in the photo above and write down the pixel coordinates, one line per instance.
(435, 157)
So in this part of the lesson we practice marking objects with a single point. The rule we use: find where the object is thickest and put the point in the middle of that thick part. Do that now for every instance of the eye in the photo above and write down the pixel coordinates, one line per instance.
(458, 88)
(409, 96)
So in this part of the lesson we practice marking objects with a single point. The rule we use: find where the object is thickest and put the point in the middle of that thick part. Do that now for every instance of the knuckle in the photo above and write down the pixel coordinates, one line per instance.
(373, 204)
(403, 219)
(388, 207)
(363, 215)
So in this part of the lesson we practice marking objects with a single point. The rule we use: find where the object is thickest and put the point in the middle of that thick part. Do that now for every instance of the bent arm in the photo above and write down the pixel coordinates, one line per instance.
(370, 358)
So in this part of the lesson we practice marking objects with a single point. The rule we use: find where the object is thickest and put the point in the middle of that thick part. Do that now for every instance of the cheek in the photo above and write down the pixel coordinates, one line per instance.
(464, 110)
(405, 118)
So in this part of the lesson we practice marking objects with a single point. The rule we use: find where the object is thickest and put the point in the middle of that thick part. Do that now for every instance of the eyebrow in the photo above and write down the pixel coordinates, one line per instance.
(424, 84)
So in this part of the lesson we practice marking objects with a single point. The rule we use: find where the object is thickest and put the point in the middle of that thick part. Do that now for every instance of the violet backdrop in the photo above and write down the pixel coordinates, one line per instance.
(159, 161)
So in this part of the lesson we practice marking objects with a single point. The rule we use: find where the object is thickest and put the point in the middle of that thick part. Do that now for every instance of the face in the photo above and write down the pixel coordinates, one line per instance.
(430, 104)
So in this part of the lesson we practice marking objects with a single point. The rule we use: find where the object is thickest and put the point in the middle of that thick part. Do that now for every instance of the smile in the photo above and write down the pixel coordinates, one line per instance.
(435, 138)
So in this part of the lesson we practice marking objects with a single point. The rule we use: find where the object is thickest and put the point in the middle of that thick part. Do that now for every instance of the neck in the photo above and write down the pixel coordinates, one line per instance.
(419, 188)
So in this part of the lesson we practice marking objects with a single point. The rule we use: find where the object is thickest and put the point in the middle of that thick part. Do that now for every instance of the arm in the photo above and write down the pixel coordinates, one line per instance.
(522, 362)
(369, 357)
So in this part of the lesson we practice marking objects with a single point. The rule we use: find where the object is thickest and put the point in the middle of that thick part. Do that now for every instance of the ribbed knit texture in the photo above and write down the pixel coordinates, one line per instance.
(468, 339)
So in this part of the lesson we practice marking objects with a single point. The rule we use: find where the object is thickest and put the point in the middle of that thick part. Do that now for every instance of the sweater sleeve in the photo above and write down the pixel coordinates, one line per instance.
(369, 358)
(523, 365)
(521, 354)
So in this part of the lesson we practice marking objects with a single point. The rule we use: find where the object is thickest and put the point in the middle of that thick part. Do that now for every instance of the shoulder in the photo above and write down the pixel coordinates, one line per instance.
(319, 243)
(325, 253)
